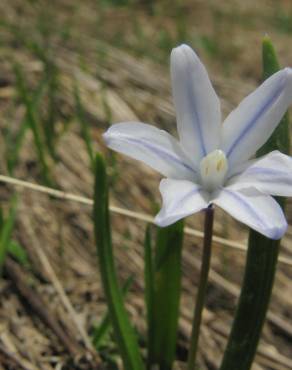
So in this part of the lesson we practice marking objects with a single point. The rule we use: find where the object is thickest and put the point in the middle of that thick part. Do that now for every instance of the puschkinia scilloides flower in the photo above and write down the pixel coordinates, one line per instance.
(211, 162)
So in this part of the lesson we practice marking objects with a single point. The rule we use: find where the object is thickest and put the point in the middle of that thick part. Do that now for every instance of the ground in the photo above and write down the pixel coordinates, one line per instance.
(66, 63)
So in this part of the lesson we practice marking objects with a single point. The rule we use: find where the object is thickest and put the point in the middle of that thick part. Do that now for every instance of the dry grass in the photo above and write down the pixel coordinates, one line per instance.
(119, 56)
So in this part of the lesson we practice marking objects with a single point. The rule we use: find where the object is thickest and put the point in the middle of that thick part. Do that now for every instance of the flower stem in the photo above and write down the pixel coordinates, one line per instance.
(208, 233)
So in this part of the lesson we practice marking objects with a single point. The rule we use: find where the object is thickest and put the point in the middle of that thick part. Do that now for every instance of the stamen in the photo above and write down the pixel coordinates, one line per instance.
(213, 168)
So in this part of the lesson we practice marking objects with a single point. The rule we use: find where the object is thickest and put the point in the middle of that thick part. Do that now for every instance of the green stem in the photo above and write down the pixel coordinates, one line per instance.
(208, 233)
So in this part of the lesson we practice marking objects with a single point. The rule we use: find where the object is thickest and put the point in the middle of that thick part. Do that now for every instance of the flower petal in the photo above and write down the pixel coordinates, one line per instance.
(180, 199)
(250, 125)
(152, 146)
(259, 211)
(196, 103)
(271, 174)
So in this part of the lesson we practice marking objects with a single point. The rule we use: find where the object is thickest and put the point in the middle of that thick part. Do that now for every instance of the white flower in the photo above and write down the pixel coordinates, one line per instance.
(210, 163)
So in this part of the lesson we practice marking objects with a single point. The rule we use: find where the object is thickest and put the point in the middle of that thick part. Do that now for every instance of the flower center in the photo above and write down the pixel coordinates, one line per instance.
(213, 169)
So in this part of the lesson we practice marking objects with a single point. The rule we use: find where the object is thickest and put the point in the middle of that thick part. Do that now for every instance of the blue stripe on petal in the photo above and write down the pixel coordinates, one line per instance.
(274, 96)
(273, 232)
(180, 202)
(265, 171)
(193, 102)
(159, 152)
(269, 175)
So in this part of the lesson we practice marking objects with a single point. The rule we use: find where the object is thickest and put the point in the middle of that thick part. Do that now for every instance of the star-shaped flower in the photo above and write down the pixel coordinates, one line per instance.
(210, 163)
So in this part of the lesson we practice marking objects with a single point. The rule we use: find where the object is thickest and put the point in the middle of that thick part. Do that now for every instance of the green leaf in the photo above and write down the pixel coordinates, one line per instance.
(280, 140)
(167, 289)
(261, 260)
(1, 218)
(149, 294)
(123, 331)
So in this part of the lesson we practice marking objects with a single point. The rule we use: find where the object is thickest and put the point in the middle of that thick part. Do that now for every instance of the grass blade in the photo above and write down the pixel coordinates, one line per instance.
(18, 253)
(123, 331)
(16, 142)
(51, 73)
(104, 327)
(6, 231)
(101, 331)
(84, 126)
(261, 260)
(23, 92)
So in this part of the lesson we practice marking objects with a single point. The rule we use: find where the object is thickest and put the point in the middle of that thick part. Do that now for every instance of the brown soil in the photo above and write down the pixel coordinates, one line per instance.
(48, 309)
